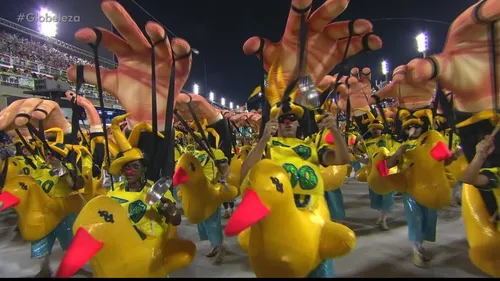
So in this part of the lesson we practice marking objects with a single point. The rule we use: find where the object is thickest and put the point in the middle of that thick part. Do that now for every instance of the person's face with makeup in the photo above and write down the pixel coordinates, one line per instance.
(414, 131)
(376, 132)
(288, 125)
(133, 171)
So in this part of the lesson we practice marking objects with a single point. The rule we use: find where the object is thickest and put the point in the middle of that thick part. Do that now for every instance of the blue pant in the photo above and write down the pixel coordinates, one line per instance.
(381, 202)
(422, 221)
(457, 192)
(335, 201)
(174, 194)
(324, 270)
(355, 166)
(63, 232)
(211, 229)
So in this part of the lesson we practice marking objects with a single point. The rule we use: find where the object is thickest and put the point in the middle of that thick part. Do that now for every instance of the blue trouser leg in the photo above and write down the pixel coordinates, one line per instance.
(355, 166)
(211, 229)
(335, 201)
(324, 270)
(63, 232)
(422, 221)
(381, 202)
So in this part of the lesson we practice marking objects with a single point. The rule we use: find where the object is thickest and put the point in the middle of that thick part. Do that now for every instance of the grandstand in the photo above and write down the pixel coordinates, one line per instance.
(26, 55)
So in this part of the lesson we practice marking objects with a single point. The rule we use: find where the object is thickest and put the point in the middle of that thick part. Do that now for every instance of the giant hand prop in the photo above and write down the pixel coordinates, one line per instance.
(326, 41)
(90, 110)
(359, 91)
(130, 82)
(200, 106)
(464, 66)
(254, 118)
(20, 112)
(325, 85)
(411, 95)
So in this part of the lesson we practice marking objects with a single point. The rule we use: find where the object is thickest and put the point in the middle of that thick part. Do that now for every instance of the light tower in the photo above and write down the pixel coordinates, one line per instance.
(422, 43)
(47, 27)
(385, 69)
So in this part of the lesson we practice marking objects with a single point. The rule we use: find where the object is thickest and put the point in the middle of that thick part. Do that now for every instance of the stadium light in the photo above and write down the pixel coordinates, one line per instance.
(212, 96)
(47, 27)
(196, 89)
(231, 105)
(223, 101)
(260, 94)
(385, 67)
(422, 43)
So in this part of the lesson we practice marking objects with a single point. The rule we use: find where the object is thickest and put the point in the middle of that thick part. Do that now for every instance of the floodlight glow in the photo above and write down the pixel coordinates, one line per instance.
(212, 96)
(385, 67)
(231, 105)
(196, 89)
(260, 94)
(49, 26)
(223, 101)
(422, 42)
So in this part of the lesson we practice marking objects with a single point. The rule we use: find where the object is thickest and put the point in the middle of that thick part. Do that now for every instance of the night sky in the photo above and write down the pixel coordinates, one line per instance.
(218, 29)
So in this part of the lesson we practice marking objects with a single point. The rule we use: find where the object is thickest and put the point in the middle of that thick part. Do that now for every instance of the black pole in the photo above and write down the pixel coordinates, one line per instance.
(206, 80)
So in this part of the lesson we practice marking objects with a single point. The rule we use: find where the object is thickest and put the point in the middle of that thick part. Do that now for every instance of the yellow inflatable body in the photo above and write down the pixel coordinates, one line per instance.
(427, 180)
(283, 241)
(39, 213)
(361, 175)
(483, 236)
(348, 171)
(146, 218)
(300, 159)
(333, 176)
(200, 198)
(124, 253)
(378, 149)
(394, 181)
(457, 167)
(43, 204)
(234, 177)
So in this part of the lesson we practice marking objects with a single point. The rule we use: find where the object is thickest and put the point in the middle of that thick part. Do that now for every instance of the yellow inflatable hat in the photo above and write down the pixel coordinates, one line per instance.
(128, 150)
(31, 143)
(179, 135)
(373, 123)
(439, 119)
(388, 111)
(213, 132)
(286, 109)
(275, 97)
(58, 145)
(415, 118)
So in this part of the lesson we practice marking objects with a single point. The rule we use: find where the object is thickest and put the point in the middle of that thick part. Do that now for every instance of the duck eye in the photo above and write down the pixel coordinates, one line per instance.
(277, 184)
(193, 168)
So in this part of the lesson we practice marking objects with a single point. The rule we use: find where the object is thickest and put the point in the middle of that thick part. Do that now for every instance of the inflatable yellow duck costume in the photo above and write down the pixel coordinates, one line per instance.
(123, 224)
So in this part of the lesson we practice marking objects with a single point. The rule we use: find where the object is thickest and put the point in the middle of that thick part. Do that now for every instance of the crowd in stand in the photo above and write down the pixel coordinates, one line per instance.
(36, 52)
(28, 56)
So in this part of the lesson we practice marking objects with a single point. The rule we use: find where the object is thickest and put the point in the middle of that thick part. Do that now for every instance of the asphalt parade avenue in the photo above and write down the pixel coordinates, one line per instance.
(377, 254)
